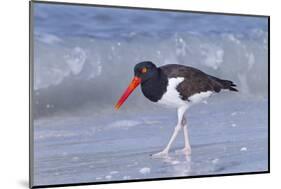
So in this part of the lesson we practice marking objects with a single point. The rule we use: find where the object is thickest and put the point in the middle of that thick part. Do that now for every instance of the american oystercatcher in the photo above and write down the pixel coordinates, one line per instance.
(176, 86)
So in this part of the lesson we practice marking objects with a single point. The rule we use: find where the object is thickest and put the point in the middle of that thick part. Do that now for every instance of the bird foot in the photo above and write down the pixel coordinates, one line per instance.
(186, 151)
(161, 154)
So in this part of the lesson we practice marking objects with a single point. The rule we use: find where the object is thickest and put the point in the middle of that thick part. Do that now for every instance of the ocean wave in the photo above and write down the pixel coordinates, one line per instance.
(78, 71)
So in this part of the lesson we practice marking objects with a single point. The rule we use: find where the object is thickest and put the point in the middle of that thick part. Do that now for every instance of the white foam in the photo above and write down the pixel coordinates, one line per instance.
(215, 161)
(213, 55)
(144, 170)
(124, 124)
(113, 172)
(49, 38)
(175, 162)
(75, 158)
(126, 177)
(108, 177)
(76, 60)
(234, 113)
(232, 38)
(251, 60)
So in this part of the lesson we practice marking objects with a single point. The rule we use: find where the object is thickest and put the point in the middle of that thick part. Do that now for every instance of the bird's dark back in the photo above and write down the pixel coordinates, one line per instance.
(195, 81)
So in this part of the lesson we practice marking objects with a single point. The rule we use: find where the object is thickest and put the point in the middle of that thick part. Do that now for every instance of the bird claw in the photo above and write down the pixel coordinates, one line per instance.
(185, 151)
(160, 154)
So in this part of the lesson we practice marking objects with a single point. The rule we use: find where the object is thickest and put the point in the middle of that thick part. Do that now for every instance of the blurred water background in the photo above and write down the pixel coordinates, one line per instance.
(84, 56)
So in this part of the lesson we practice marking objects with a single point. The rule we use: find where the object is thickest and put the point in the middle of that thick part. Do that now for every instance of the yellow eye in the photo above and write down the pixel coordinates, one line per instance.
(144, 70)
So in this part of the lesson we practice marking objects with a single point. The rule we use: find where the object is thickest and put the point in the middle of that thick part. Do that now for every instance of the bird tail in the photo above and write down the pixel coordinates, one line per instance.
(226, 84)
(229, 85)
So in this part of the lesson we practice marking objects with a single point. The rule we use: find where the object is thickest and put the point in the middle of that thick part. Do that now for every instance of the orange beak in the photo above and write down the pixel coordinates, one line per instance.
(134, 83)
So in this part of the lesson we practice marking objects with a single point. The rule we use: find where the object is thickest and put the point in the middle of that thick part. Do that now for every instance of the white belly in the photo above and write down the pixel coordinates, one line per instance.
(199, 97)
(173, 99)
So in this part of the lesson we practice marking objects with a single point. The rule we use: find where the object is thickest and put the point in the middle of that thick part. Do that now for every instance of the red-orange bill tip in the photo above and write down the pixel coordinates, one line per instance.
(134, 83)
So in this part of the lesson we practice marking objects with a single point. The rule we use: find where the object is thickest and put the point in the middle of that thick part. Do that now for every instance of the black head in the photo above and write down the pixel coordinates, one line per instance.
(145, 70)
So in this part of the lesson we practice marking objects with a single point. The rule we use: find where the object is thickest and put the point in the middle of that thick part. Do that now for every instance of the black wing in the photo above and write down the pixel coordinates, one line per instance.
(195, 81)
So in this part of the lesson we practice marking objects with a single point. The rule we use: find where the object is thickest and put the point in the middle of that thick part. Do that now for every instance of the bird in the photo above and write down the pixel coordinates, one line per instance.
(175, 86)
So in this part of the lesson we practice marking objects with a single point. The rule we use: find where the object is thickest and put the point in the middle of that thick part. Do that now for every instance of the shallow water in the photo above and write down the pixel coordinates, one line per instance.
(226, 137)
